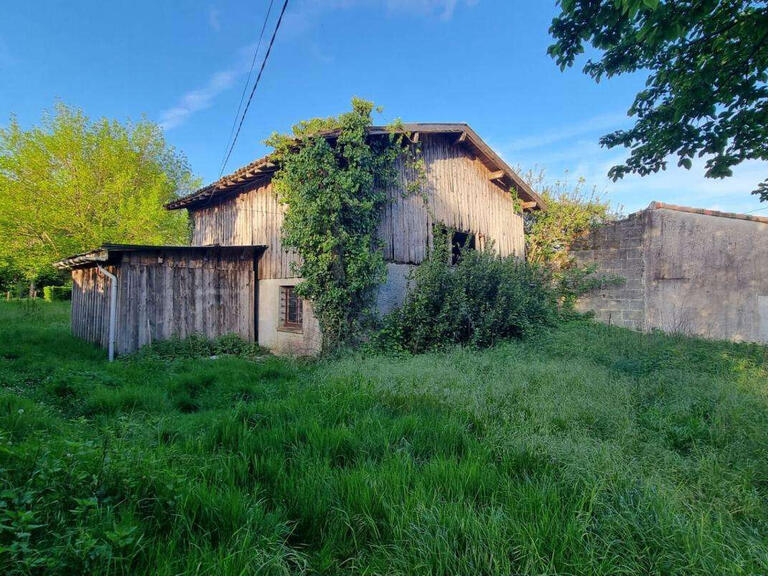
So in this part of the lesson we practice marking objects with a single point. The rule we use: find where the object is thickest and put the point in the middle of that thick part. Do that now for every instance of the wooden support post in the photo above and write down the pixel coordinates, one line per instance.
(528, 205)
(498, 175)
(461, 139)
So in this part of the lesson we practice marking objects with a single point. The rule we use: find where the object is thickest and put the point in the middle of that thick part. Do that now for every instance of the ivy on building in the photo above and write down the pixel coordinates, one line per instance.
(334, 189)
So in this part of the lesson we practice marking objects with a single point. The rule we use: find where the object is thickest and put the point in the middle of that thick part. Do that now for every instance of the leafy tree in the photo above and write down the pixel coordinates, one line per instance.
(73, 184)
(706, 92)
(334, 193)
(572, 212)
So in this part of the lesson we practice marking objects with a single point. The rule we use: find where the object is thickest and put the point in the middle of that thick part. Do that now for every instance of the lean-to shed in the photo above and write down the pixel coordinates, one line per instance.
(163, 291)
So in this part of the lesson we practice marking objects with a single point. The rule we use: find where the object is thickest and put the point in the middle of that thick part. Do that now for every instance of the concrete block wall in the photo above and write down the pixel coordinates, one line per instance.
(617, 249)
(687, 270)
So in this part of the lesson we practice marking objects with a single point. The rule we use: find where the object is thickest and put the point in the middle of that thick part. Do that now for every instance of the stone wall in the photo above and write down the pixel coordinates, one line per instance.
(617, 249)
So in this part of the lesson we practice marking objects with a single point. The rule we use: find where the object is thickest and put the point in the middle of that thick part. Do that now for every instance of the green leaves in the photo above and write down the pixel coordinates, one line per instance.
(706, 61)
(334, 193)
(480, 301)
(572, 211)
(72, 183)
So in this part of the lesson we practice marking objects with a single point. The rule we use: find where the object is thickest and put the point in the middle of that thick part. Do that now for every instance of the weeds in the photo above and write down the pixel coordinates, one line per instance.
(582, 450)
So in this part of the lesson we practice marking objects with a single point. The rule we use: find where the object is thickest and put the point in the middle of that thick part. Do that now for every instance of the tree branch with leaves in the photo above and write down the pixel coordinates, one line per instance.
(706, 94)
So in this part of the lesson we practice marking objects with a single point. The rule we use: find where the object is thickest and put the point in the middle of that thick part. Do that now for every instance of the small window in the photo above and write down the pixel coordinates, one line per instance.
(291, 309)
(461, 242)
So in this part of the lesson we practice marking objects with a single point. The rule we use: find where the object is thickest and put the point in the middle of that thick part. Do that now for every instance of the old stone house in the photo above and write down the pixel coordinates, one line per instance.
(697, 272)
(237, 277)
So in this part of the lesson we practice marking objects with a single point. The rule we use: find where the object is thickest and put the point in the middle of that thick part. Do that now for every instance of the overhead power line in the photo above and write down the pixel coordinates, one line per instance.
(247, 83)
(255, 85)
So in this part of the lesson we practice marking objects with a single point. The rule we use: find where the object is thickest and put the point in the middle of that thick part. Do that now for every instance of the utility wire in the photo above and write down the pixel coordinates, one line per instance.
(247, 82)
(255, 84)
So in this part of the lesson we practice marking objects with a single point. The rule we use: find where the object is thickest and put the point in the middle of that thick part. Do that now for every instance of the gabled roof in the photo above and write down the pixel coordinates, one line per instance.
(261, 170)
(112, 253)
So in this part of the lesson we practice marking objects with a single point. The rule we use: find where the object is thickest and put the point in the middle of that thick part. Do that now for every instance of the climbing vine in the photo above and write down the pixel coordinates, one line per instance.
(334, 190)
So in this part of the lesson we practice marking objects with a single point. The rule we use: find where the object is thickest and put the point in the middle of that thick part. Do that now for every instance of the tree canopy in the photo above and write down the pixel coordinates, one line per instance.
(72, 184)
(573, 210)
(706, 93)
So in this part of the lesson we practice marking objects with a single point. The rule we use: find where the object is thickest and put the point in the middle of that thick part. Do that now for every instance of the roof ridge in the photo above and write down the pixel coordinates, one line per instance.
(263, 167)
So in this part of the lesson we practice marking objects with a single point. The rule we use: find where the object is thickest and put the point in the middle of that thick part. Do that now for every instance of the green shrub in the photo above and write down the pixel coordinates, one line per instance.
(19, 289)
(198, 346)
(57, 293)
(484, 298)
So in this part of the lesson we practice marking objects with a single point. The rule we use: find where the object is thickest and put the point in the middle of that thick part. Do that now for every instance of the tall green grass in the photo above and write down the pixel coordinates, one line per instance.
(583, 450)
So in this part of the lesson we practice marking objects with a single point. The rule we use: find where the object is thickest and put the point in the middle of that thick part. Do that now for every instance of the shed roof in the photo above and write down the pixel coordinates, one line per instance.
(263, 168)
(112, 253)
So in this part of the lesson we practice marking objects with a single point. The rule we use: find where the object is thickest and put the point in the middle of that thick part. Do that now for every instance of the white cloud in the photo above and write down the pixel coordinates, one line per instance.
(605, 122)
(689, 187)
(307, 12)
(203, 97)
(214, 18)
(444, 9)
(198, 99)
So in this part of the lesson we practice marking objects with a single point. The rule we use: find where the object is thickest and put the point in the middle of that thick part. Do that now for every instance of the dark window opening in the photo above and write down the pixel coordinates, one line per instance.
(461, 242)
(291, 309)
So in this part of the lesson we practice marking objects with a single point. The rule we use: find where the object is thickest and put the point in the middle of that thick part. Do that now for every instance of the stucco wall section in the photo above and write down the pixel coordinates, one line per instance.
(392, 293)
(706, 275)
(688, 272)
(282, 342)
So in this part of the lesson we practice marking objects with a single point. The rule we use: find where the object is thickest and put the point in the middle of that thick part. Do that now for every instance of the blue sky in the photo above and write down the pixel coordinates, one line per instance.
(184, 64)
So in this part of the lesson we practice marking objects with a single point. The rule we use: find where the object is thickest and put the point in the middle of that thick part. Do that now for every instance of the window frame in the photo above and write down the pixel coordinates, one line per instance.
(288, 293)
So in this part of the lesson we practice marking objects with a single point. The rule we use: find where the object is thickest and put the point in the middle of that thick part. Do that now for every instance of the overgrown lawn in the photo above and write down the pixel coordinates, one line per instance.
(584, 450)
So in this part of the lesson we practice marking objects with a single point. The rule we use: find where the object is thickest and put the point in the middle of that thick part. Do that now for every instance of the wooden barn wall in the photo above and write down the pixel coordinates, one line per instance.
(457, 191)
(184, 294)
(251, 218)
(90, 305)
(159, 298)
